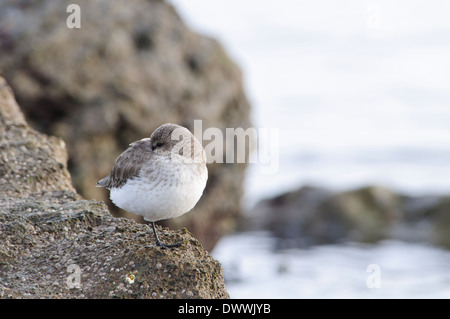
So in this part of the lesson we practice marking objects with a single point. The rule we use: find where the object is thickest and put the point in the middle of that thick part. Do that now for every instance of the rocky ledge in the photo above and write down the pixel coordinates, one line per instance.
(54, 244)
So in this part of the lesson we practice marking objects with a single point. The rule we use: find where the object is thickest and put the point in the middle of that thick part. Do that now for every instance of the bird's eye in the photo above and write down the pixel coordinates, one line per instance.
(159, 144)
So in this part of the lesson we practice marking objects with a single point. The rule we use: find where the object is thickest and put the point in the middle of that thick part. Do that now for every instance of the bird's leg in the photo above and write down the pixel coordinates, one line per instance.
(159, 243)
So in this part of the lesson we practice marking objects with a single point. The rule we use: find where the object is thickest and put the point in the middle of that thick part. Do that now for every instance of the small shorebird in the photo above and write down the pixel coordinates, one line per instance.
(159, 177)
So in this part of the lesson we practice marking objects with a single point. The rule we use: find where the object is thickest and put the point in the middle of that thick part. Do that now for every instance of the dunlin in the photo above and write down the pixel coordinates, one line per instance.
(159, 177)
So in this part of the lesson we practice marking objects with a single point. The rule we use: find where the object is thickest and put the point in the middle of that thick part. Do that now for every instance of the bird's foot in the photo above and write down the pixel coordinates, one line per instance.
(163, 246)
(159, 243)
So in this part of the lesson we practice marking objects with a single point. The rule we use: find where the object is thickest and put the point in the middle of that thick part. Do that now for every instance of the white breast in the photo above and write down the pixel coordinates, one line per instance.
(168, 192)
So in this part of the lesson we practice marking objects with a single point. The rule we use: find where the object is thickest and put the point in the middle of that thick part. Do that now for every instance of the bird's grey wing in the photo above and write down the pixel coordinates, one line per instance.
(128, 164)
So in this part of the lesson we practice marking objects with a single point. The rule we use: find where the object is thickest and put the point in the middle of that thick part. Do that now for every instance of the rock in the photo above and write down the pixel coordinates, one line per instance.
(131, 67)
(54, 244)
(286, 215)
(312, 216)
(30, 161)
(428, 218)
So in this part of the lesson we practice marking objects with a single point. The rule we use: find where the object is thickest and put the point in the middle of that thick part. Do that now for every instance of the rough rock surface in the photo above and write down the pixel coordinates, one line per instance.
(311, 216)
(132, 66)
(54, 244)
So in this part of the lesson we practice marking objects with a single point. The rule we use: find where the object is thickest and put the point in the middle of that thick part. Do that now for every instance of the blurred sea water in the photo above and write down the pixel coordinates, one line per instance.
(360, 94)
(391, 269)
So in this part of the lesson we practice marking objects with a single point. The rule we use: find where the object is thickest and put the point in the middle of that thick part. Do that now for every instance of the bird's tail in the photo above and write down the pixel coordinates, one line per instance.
(103, 182)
